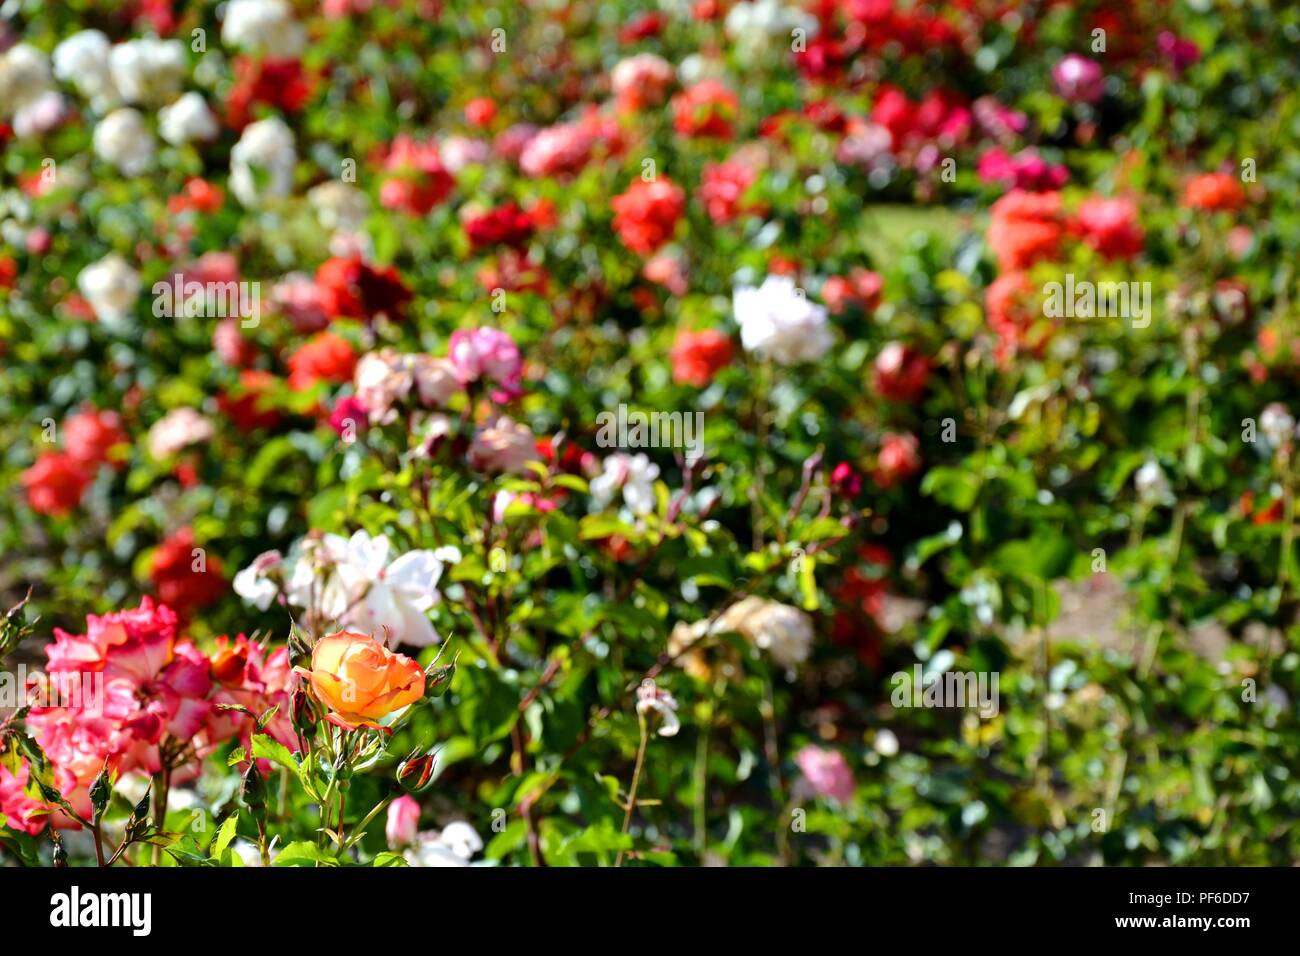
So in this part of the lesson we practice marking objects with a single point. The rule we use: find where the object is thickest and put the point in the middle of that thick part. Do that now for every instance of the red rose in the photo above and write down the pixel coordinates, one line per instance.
(698, 356)
(1214, 192)
(646, 215)
(708, 108)
(56, 483)
(722, 186)
(900, 373)
(185, 577)
(480, 111)
(898, 459)
(325, 357)
(8, 272)
(1110, 227)
(860, 288)
(1026, 227)
(506, 225)
(90, 435)
(354, 289)
(247, 406)
(279, 83)
(198, 195)
(1009, 307)
(419, 181)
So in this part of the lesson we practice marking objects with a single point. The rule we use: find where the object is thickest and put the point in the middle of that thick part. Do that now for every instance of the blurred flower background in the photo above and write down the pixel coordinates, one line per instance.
(309, 316)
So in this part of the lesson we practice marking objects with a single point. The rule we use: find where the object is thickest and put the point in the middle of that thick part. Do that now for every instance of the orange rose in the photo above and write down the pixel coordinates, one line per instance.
(360, 681)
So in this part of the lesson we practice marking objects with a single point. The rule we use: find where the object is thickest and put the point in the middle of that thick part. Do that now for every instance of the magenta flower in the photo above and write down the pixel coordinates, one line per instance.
(1078, 79)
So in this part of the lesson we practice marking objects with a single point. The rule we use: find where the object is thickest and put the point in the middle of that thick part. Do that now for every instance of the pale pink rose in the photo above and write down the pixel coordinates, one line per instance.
(504, 446)
(403, 822)
(487, 353)
(382, 379)
(436, 380)
(826, 772)
(641, 80)
(298, 299)
(557, 150)
(178, 429)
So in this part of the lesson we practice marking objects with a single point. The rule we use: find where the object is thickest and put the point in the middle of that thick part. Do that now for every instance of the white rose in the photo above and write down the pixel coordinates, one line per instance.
(24, 78)
(266, 147)
(264, 27)
(1151, 483)
(148, 70)
(40, 115)
(779, 321)
(82, 60)
(186, 120)
(1277, 424)
(121, 138)
(111, 287)
(633, 474)
(339, 206)
(754, 26)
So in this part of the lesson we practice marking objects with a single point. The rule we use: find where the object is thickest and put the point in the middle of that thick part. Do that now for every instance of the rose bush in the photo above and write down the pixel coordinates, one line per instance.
(318, 553)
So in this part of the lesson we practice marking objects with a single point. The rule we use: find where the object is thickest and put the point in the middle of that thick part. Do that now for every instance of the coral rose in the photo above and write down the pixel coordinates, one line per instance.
(1214, 192)
(646, 215)
(360, 681)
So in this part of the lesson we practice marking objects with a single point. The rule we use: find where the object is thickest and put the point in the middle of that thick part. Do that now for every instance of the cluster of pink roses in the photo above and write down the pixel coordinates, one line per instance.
(479, 361)
(158, 705)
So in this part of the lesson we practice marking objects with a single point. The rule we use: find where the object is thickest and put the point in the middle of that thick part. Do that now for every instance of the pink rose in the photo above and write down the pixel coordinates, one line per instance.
(403, 822)
(504, 446)
(1078, 79)
(826, 772)
(487, 353)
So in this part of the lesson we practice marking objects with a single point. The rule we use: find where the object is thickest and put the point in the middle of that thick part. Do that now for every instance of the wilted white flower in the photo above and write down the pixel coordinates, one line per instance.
(111, 287)
(187, 120)
(82, 60)
(148, 70)
(262, 27)
(1151, 483)
(24, 78)
(339, 206)
(176, 430)
(650, 697)
(254, 583)
(265, 148)
(779, 321)
(1277, 424)
(634, 474)
(121, 138)
(783, 631)
(454, 846)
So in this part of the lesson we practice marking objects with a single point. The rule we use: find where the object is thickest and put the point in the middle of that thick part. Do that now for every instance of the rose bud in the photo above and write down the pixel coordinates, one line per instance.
(253, 789)
(228, 664)
(303, 713)
(437, 680)
(415, 773)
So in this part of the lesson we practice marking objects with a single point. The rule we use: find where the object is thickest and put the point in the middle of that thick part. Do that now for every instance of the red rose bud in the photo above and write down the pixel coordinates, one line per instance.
(415, 773)
(304, 715)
